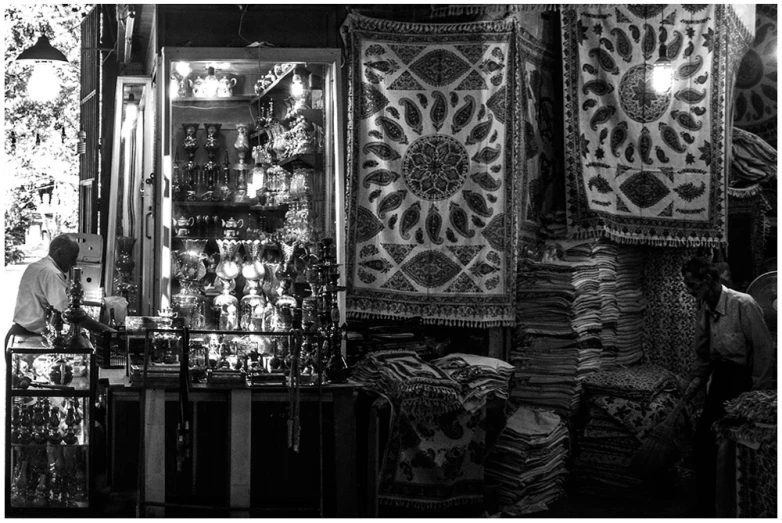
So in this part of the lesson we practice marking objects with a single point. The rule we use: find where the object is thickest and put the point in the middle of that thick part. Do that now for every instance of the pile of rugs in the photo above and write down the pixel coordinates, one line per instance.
(622, 406)
(604, 254)
(632, 304)
(525, 471)
(557, 340)
(747, 436)
(434, 457)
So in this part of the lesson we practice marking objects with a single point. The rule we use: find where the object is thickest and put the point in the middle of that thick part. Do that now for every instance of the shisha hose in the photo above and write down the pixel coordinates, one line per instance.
(294, 394)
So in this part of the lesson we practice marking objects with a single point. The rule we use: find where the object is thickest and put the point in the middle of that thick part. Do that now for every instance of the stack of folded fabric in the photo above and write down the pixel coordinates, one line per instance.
(749, 481)
(558, 329)
(622, 407)
(434, 458)
(480, 377)
(631, 304)
(605, 254)
(753, 161)
(525, 470)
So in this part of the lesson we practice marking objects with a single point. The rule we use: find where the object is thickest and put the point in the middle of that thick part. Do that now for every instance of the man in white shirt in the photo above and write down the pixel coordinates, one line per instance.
(44, 283)
(735, 351)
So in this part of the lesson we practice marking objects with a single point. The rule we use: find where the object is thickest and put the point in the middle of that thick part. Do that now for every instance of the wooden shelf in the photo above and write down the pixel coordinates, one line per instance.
(313, 160)
(256, 99)
(235, 98)
(247, 206)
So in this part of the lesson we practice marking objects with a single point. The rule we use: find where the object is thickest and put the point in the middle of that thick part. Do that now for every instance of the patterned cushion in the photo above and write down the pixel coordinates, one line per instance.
(640, 382)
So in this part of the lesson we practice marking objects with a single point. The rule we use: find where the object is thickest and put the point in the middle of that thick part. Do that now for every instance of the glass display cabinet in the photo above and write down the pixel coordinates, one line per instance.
(251, 181)
(49, 401)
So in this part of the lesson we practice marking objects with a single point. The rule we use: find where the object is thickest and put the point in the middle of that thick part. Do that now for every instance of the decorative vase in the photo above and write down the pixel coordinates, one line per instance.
(189, 269)
(252, 269)
(190, 146)
(225, 305)
(251, 308)
(242, 143)
(124, 264)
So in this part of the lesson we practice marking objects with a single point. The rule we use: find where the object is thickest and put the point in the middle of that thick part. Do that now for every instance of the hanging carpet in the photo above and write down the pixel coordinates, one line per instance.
(646, 163)
(756, 81)
(431, 155)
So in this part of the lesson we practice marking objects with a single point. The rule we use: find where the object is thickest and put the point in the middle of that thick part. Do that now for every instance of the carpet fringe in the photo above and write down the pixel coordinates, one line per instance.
(430, 505)
(449, 322)
(745, 192)
(643, 240)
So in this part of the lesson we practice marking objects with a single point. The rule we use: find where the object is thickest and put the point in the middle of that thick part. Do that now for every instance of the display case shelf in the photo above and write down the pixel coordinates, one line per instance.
(312, 160)
(41, 476)
(231, 206)
(199, 99)
(270, 87)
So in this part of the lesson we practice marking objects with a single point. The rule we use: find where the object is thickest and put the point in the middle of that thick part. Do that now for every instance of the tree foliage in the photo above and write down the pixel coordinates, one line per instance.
(41, 137)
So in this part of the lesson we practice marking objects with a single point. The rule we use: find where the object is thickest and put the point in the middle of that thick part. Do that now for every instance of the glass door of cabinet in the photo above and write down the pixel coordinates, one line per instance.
(132, 164)
(251, 181)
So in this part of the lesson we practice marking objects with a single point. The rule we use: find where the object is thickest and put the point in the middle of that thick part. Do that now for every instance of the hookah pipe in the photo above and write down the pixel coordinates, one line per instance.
(294, 427)
(183, 434)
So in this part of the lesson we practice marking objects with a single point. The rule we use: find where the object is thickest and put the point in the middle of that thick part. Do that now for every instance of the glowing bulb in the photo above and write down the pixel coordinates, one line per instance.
(297, 89)
(131, 110)
(183, 69)
(211, 83)
(44, 84)
(662, 76)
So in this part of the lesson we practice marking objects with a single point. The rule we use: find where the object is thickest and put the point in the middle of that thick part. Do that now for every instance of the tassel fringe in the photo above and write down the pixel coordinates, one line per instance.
(450, 322)
(645, 240)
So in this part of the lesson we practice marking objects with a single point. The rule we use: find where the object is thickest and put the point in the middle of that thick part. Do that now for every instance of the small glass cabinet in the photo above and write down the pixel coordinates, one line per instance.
(49, 416)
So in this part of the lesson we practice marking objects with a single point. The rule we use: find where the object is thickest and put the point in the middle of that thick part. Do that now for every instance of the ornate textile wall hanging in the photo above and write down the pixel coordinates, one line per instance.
(433, 190)
(756, 81)
(644, 162)
(543, 192)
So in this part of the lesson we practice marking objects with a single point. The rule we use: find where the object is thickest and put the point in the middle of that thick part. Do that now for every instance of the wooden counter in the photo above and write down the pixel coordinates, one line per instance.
(240, 459)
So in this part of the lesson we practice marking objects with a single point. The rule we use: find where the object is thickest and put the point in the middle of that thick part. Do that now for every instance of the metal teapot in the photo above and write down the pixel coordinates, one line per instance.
(199, 87)
(182, 225)
(225, 87)
(231, 227)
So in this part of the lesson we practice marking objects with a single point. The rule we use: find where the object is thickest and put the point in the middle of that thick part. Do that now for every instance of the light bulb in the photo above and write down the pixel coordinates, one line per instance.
(131, 109)
(183, 69)
(662, 76)
(44, 84)
(211, 83)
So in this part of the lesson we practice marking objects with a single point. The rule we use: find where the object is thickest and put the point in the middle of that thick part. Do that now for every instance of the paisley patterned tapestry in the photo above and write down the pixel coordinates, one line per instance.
(432, 145)
(756, 82)
(543, 192)
(646, 163)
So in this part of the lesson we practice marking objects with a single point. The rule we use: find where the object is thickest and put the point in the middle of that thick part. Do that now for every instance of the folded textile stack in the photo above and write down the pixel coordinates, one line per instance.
(434, 457)
(753, 161)
(622, 407)
(408, 382)
(481, 377)
(525, 470)
(631, 303)
(750, 483)
(557, 337)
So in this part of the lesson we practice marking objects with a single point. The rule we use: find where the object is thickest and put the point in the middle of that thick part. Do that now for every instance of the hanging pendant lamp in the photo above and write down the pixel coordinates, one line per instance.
(42, 51)
(44, 83)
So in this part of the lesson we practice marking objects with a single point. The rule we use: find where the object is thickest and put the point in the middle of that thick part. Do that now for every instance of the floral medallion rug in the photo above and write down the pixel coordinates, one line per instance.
(756, 81)
(432, 146)
(645, 161)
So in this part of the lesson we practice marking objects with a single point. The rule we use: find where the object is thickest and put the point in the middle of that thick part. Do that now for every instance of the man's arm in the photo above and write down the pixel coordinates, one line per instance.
(764, 354)
(701, 365)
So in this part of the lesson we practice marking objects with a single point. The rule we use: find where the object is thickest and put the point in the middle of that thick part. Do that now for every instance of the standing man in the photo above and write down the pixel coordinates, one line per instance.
(44, 283)
(735, 351)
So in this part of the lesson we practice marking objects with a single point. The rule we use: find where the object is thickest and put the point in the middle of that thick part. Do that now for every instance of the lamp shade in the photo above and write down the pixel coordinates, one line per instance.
(42, 51)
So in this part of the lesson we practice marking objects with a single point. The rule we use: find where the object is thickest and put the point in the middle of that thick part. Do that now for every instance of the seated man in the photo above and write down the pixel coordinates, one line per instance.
(43, 284)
